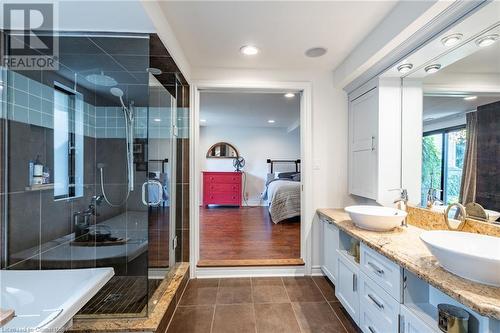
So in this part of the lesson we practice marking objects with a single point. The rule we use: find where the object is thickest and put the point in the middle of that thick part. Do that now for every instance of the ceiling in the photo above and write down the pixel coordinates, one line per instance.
(436, 107)
(246, 109)
(211, 32)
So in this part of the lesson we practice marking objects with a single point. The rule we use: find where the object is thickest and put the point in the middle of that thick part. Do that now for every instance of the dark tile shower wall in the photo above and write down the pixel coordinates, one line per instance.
(488, 156)
(173, 80)
(31, 211)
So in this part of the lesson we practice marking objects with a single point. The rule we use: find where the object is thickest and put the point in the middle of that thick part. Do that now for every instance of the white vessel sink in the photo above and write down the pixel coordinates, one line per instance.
(492, 215)
(376, 218)
(471, 256)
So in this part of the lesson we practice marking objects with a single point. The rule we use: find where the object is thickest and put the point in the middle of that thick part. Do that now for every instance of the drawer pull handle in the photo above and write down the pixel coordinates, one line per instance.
(376, 268)
(372, 329)
(377, 303)
(354, 282)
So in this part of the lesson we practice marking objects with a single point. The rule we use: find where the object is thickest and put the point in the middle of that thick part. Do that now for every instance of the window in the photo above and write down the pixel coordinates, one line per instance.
(68, 143)
(443, 154)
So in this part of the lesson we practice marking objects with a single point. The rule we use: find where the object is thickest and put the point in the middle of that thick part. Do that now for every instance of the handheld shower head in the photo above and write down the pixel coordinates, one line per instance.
(116, 92)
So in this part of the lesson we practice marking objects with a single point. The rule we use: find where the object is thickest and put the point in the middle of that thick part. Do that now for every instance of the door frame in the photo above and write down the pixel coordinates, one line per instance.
(307, 211)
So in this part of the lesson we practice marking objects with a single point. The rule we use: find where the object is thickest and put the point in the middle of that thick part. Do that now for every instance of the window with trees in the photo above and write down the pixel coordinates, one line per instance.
(443, 154)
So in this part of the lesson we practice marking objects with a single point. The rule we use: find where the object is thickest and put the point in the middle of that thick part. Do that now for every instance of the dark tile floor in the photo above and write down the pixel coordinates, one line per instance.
(261, 305)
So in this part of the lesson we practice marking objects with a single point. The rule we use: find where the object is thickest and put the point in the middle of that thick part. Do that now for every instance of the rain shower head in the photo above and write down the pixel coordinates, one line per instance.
(101, 79)
(116, 92)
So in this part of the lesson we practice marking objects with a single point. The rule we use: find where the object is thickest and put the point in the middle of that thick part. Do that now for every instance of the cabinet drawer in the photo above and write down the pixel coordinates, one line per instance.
(222, 179)
(384, 272)
(369, 323)
(224, 188)
(223, 199)
(413, 324)
(379, 304)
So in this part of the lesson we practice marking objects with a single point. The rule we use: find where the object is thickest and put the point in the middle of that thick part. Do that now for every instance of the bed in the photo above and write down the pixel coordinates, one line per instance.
(282, 192)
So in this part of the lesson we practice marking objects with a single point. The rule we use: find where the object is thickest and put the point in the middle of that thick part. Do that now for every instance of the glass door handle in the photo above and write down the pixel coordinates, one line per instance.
(145, 187)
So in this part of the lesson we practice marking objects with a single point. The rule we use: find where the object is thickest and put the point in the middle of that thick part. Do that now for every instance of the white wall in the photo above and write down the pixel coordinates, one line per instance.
(329, 117)
(256, 145)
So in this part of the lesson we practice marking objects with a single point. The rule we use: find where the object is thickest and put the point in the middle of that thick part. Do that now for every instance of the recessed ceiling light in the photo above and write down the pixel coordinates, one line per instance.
(432, 68)
(289, 95)
(203, 120)
(271, 121)
(470, 98)
(249, 50)
(315, 52)
(404, 68)
(451, 40)
(154, 70)
(487, 40)
(157, 120)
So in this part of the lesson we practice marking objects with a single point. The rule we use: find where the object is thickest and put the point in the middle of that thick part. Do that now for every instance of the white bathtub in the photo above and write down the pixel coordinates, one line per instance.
(47, 300)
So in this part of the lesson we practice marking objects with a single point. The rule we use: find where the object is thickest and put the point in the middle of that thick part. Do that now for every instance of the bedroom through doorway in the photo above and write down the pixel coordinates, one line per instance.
(250, 182)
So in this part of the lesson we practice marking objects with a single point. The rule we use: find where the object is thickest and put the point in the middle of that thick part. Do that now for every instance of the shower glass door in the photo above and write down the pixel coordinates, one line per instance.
(160, 182)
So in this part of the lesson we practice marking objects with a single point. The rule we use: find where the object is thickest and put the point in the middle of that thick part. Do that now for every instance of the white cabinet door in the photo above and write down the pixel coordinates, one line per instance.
(363, 134)
(330, 247)
(412, 324)
(346, 289)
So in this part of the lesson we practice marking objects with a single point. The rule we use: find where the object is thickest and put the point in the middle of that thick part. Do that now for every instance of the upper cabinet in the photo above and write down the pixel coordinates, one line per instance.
(375, 140)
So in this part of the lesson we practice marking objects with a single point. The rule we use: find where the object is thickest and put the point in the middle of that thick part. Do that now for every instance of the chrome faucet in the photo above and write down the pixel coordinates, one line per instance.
(432, 198)
(402, 202)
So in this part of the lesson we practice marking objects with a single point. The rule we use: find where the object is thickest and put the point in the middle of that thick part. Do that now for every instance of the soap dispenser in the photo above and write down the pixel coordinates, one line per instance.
(38, 171)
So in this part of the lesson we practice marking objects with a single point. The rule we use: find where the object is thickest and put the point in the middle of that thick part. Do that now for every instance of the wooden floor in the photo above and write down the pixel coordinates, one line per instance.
(158, 232)
(246, 233)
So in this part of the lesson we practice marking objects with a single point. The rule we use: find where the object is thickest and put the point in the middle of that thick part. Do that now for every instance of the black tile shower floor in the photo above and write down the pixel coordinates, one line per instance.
(121, 296)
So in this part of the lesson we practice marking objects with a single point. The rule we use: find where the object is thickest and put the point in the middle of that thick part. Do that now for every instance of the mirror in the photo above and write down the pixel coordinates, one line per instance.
(454, 216)
(453, 94)
(222, 150)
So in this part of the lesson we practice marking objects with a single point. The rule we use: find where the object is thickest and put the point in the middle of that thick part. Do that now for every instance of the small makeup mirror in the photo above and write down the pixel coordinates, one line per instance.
(455, 216)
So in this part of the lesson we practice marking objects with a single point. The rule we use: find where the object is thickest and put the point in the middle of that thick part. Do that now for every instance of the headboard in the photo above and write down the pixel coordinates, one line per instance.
(273, 162)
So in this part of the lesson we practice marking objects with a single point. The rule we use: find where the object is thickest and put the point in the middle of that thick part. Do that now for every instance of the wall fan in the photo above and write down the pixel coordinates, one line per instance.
(239, 163)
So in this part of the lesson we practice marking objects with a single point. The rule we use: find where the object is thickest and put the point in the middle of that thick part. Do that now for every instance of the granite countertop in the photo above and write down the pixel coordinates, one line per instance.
(403, 246)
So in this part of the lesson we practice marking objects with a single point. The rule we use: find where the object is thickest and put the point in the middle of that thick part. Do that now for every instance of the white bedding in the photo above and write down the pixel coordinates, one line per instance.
(283, 198)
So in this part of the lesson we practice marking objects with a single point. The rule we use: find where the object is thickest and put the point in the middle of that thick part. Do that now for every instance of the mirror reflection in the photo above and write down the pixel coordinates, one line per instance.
(222, 150)
(460, 135)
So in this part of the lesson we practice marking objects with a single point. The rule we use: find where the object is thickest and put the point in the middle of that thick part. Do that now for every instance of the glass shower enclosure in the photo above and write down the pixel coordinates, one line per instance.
(88, 168)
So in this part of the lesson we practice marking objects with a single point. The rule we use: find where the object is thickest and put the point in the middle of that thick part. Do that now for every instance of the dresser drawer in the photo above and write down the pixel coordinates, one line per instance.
(384, 272)
(378, 305)
(224, 188)
(222, 199)
(222, 179)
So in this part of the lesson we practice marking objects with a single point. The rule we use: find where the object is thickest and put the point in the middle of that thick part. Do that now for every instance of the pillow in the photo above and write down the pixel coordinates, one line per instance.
(286, 175)
(296, 177)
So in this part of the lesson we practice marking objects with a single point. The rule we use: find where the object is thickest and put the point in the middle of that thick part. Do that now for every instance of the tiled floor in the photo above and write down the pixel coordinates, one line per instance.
(261, 305)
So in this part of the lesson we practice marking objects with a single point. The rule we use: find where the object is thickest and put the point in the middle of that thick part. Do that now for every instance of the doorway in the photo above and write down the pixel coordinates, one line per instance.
(244, 230)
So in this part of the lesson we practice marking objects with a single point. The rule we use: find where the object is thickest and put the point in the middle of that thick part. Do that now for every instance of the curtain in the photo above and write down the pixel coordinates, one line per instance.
(468, 184)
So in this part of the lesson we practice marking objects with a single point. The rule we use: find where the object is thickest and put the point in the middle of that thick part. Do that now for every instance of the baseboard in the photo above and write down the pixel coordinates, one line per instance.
(250, 263)
(226, 272)
(316, 271)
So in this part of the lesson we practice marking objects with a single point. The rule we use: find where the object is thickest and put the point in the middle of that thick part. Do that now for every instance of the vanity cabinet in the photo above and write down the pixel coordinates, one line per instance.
(329, 245)
(346, 288)
(379, 295)
(375, 140)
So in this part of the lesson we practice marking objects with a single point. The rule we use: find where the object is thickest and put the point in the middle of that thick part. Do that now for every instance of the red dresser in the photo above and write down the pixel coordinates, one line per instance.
(222, 188)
